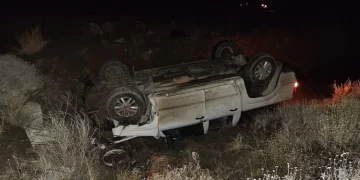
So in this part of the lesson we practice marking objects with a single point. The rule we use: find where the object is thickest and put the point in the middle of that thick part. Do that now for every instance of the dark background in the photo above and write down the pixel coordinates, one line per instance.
(333, 56)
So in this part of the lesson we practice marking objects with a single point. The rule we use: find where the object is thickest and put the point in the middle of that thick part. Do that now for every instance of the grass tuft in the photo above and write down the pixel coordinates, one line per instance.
(66, 151)
(312, 131)
(237, 144)
(31, 41)
(349, 88)
(191, 171)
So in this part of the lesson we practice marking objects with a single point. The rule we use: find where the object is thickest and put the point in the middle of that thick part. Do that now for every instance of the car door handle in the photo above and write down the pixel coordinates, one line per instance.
(200, 117)
(234, 109)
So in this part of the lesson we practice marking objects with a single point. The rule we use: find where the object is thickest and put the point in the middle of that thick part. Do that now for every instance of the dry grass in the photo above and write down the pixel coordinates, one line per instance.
(237, 144)
(313, 131)
(349, 88)
(65, 152)
(19, 80)
(190, 171)
(292, 174)
(2, 122)
(159, 163)
(341, 168)
(129, 175)
(31, 41)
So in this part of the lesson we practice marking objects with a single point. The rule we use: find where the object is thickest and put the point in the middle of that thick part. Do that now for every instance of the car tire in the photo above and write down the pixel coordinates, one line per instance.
(115, 156)
(258, 73)
(260, 69)
(126, 104)
(102, 98)
(113, 68)
(224, 50)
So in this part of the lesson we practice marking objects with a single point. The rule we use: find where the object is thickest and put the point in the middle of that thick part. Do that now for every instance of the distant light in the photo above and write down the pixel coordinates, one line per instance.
(241, 5)
(265, 6)
(247, 3)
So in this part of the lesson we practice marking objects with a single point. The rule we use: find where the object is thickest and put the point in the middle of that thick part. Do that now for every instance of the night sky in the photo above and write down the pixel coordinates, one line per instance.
(302, 7)
(287, 11)
(293, 14)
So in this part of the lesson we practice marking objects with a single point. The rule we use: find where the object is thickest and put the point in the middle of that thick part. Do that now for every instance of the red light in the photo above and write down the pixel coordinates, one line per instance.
(296, 84)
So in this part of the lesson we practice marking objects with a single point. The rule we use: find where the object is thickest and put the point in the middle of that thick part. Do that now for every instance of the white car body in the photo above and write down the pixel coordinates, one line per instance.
(175, 107)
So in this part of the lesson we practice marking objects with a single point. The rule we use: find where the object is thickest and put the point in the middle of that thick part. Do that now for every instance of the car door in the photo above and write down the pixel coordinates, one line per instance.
(222, 99)
(180, 108)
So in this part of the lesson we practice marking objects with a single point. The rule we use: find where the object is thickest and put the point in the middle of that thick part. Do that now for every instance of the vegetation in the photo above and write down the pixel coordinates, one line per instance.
(312, 132)
(31, 41)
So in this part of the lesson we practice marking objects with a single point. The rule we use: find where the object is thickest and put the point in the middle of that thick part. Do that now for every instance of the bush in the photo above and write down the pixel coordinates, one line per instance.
(313, 131)
(66, 151)
(341, 168)
(349, 88)
(129, 175)
(31, 41)
(190, 171)
(237, 145)
(19, 80)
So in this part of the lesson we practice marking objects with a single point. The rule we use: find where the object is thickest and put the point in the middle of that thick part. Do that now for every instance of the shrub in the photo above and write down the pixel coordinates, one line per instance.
(65, 152)
(129, 175)
(237, 144)
(19, 80)
(313, 131)
(349, 88)
(191, 171)
(31, 41)
(341, 168)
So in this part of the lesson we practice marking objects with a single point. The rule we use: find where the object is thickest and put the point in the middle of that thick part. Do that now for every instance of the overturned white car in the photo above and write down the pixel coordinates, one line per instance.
(157, 102)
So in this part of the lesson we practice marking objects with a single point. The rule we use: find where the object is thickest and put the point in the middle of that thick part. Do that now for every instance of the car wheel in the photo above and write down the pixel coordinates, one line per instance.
(124, 102)
(258, 73)
(117, 99)
(126, 105)
(115, 157)
(113, 68)
(260, 69)
(224, 50)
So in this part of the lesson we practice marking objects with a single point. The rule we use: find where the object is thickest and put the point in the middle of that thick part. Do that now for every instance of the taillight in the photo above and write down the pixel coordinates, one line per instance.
(296, 85)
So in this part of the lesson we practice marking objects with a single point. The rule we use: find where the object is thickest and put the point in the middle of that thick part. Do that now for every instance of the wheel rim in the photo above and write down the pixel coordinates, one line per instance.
(263, 70)
(226, 52)
(126, 107)
(114, 156)
(114, 71)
